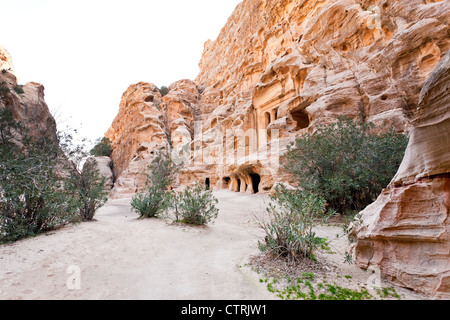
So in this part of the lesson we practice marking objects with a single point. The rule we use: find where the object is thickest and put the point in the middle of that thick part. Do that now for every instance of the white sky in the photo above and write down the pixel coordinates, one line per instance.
(87, 52)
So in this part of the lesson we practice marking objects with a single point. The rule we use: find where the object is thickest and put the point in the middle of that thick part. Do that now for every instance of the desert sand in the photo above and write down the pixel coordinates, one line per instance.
(119, 256)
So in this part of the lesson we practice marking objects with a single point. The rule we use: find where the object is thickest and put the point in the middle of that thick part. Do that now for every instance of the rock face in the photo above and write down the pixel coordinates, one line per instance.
(136, 133)
(104, 165)
(276, 71)
(28, 107)
(406, 232)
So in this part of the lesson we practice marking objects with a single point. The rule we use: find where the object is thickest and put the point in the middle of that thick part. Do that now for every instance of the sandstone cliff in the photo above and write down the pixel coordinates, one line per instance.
(28, 106)
(276, 71)
(280, 68)
(406, 232)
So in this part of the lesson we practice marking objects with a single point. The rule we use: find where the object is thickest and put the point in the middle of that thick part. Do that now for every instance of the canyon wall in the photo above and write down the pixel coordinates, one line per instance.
(26, 102)
(406, 232)
(276, 71)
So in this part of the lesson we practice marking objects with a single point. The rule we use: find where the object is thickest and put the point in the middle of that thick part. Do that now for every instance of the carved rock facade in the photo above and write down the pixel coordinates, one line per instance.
(276, 71)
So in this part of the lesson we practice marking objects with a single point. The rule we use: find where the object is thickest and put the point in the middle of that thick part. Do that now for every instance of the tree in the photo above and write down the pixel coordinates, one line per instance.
(164, 91)
(40, 186)
(90, 187)
(33, 197)
(102, 148)
(346, 163)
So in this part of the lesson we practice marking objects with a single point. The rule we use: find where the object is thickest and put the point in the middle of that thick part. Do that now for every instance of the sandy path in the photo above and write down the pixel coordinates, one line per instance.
(121, 257)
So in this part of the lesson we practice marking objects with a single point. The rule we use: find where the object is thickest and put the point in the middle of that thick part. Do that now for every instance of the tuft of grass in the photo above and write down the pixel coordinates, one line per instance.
(306, 287)
(388, 293)
(335, 292)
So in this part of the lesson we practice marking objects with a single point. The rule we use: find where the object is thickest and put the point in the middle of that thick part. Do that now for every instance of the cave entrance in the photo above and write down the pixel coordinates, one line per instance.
(302, 119)
(239, 185)
(208, 184)
(256, 180)
(226, 182)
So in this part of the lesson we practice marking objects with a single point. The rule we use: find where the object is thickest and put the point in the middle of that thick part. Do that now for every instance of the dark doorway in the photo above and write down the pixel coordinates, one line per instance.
(208, 183)
(239, 185)
(302, 119)
(256, 180)
(226, 182)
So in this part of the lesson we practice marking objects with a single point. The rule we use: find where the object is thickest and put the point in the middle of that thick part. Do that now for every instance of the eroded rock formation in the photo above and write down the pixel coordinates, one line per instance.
(277, 70)
(28, 106)
(406, 232)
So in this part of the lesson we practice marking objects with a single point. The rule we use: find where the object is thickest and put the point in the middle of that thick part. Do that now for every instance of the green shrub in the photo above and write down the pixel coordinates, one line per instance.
(164, 91)
(3, 88)
(150, 203)
(33, 197)
(40, 187)
(346, 163)
(90, 187)
(154, 200)
(19, 89)
(292, 216)
(102, 148)
(195, 205)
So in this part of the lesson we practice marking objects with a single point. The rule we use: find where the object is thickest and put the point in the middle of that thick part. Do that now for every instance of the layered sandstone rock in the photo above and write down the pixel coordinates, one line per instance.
(6, 66)
(28, 107)
(406, 232)
(137, 132)
(276, 71)
(289, 66)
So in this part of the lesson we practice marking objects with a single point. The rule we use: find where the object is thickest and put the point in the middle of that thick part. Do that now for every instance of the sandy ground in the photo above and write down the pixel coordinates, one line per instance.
(121, 257)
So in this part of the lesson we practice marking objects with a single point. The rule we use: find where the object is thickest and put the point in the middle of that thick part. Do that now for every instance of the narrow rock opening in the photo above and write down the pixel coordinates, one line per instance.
(256, 180)
(267, 119)
(208, 183)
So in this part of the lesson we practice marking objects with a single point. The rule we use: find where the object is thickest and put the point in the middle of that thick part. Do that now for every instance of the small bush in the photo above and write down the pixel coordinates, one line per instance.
(19, 89)
(4, 89)
(293, 215)
(195, 205)
(164, 91)
(103, 148)
(90, 187)
(346, 163)
(154, 200)
(150, 203)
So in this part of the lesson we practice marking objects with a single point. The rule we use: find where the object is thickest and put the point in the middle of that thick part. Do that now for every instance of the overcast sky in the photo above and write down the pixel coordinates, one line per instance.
(87, 52)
